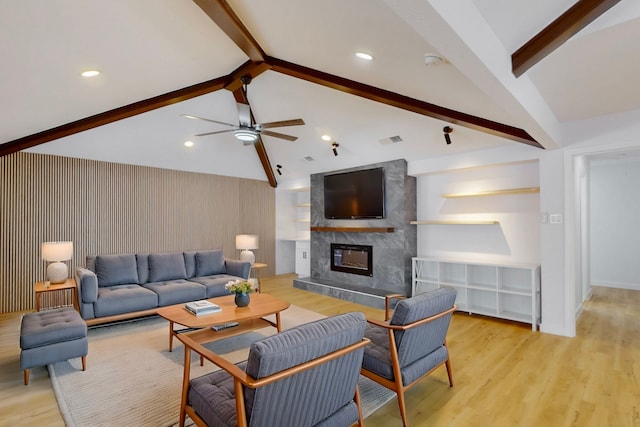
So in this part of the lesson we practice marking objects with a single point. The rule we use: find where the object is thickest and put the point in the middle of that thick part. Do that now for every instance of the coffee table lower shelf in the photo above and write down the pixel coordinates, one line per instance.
(206, 335)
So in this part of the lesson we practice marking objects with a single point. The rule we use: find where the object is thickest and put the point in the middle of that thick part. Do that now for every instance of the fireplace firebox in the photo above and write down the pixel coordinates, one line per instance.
(354, 259)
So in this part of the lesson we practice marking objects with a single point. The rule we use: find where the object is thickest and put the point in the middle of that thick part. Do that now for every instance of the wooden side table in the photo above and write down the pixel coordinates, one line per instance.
(55, 287)
(255, 268)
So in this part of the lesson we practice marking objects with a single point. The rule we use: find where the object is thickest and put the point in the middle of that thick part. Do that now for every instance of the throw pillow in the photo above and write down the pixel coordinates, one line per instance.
(116, 269)
(209, 263)
(166, 266)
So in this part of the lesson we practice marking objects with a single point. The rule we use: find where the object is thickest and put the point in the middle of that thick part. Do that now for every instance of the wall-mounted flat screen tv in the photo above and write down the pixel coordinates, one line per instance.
(354, 195)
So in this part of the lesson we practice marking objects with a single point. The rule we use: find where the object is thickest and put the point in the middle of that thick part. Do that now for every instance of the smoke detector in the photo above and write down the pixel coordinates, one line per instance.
(432, 59)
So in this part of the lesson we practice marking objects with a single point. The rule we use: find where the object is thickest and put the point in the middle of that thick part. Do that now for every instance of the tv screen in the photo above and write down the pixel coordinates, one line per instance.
(354, 195)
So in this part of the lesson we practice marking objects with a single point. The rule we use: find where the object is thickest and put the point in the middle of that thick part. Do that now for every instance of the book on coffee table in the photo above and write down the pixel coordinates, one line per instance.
(202, 307)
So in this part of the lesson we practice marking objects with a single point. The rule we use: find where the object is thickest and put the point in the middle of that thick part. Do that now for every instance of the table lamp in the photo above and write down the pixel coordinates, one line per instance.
(56, 252)
(245, 242)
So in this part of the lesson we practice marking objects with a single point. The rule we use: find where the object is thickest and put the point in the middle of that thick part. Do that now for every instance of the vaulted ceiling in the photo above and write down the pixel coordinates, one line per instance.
(161, 58)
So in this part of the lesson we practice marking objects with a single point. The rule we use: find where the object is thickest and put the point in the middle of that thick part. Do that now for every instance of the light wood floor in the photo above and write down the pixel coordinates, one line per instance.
(504, 374)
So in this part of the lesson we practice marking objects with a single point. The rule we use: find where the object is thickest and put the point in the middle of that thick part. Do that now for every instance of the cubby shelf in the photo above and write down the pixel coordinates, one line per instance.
(507, 191)
(507, 291)
(454, 222)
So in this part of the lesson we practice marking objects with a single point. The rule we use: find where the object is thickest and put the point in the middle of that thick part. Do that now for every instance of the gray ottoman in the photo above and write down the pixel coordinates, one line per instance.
(52, 336)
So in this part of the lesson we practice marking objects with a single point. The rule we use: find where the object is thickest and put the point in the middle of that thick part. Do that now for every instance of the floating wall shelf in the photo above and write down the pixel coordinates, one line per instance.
(452, 222)
(354, 229)
(528, 190)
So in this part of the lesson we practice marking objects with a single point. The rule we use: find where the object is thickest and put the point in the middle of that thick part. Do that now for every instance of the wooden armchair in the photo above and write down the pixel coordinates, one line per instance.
(300, 377)
(411, 343)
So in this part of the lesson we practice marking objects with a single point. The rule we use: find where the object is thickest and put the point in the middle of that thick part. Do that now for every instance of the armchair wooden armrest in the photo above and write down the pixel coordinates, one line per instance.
(387, 304)
(385, 324)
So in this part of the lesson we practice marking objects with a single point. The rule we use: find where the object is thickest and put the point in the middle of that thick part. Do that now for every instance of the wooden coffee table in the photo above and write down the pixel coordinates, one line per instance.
(249, 318)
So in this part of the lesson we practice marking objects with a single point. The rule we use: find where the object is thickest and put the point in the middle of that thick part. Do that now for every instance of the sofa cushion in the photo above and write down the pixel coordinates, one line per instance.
(166, 266)
(124, 299)
(215, 284)
(116, 269)
(209, 263)
(190, 263)
(177, 291)
(143, 268)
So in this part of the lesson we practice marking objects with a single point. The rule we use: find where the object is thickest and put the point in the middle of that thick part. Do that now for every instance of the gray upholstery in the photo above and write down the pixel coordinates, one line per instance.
(166, 266)
(177, 291)
(146, 281)
(123, 299)
(322, 395)
(215, 284)
(209, 263)
(116, 269)
(52, 336)
(420, 349)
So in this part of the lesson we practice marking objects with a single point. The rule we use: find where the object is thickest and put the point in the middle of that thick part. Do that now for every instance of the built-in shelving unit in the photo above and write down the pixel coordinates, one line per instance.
(453, 222)
(504, 192)
(507, 191)
(507, 291)
(354, 229)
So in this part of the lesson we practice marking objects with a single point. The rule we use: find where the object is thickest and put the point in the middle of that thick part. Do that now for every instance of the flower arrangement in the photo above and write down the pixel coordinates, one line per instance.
(239, 287)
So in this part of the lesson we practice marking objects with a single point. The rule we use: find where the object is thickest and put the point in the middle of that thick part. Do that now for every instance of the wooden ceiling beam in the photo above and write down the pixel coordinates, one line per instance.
(113, 115)
(241, 97)
(226, 19)
(558, 32)
(400, 101)
(249, 68)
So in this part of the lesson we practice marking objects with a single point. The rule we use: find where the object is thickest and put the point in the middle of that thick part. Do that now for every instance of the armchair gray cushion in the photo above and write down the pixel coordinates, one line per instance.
(420, 348)
(322, 395)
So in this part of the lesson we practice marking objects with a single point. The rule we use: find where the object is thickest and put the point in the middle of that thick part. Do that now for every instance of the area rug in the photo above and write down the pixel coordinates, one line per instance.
(132, 378)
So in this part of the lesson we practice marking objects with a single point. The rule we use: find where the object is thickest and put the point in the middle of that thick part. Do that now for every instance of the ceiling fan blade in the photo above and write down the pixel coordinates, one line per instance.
(216, 132)
(279, 135)
(244, 114)
(189, 116)
(294, 122)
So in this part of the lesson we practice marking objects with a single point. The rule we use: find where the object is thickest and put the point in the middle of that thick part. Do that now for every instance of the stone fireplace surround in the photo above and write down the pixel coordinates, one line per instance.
(392, 238)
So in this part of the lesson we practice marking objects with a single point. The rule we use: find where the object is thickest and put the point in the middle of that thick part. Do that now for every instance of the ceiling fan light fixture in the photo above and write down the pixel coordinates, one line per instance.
(246, 135)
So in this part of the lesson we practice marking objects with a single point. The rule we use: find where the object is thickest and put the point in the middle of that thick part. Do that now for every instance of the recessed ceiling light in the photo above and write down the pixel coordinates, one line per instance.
(90, 73)
(363, 55)
(188, 143)
(326, 137)
(432, 59)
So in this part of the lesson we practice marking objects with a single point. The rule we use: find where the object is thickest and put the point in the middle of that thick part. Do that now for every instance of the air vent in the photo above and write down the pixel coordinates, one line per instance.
(391, 140)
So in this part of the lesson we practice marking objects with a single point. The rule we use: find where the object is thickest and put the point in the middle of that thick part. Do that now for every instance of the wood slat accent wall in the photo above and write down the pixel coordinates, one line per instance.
(116, 208)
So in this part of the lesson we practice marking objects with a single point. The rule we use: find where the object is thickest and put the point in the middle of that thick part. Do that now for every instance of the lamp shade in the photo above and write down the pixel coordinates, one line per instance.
(57, 251)
(246, 241)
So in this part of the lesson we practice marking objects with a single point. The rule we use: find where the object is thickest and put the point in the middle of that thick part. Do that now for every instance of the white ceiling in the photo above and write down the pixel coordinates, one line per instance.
(146, 48)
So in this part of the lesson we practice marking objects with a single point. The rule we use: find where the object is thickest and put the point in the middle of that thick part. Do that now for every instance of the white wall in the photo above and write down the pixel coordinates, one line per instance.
(515, 240)
(288, 229)
(614, 211)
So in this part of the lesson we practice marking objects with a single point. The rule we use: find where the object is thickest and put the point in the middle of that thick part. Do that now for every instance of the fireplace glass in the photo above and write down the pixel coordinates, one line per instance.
(354, 259)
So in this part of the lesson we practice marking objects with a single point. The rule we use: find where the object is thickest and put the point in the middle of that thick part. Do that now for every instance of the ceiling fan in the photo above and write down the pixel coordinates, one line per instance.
(246, 130)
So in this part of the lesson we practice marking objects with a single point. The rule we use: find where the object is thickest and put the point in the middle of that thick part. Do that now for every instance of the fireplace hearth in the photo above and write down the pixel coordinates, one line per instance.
(354, 259)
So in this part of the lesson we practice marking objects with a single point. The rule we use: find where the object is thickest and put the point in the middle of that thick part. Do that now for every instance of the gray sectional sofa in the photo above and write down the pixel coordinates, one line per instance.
(115, 287)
